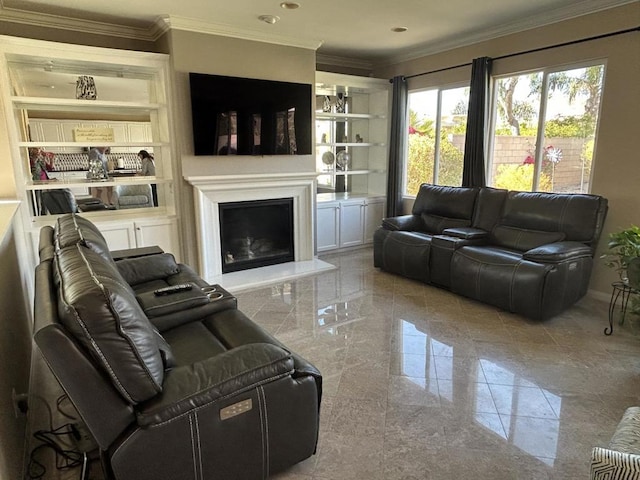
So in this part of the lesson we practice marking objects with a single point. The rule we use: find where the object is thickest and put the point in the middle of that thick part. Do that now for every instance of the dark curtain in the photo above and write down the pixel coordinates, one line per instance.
(397, 145)
(473, 172)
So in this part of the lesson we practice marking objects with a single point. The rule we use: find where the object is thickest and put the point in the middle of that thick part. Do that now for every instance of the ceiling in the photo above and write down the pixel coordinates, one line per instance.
(360, 30)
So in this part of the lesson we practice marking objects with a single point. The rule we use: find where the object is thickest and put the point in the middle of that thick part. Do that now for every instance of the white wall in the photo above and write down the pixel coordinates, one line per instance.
(15, 339)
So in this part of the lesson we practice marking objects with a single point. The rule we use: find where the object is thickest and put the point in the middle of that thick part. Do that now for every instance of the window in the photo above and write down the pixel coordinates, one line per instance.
(435, 144)
(544, 129)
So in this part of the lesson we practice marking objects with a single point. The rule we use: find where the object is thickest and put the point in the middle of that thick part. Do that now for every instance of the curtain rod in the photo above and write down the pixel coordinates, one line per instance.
(533, 50)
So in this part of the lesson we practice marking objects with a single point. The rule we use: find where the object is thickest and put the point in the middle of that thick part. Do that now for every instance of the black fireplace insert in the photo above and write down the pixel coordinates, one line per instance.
(256, 233)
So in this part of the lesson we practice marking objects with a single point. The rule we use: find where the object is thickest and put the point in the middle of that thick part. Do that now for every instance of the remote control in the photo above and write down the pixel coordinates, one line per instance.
(173, 289)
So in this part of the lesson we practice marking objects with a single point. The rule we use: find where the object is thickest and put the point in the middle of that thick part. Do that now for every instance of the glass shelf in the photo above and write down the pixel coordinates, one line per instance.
(80, 182)
(73, 105)
(350, 144)
(347, 116)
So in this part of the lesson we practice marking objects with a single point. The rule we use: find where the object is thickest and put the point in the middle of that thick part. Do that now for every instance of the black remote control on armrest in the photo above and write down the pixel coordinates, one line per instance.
(173, 289)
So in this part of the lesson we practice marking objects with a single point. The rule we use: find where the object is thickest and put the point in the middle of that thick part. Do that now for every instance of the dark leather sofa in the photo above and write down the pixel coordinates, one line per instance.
(529, 253)
(180, 386)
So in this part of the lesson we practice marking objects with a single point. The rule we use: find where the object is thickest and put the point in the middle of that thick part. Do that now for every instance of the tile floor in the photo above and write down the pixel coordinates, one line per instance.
(422, 384)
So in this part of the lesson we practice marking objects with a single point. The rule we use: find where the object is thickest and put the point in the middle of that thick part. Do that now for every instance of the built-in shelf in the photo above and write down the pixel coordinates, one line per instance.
(346, 117)
(73, 105)
(76, 182)
(348, 172)
(362, 133)
(38, 86)
(84, 144)
(350, 144)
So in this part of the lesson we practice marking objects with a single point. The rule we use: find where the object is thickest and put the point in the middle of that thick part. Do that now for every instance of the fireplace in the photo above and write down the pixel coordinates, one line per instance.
(210, 191)
(256, 233)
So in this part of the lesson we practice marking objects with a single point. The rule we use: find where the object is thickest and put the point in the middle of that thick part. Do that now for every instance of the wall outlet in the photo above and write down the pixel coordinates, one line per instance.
(20, 403)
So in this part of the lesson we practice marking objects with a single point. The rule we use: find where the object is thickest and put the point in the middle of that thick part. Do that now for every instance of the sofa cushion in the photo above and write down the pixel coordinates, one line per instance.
(146, 269)
(488, 207)
(579, 216)
(448, 202)
(557, 252)
(100, 310)
(437, 224)
(72, 229)
(523, 239)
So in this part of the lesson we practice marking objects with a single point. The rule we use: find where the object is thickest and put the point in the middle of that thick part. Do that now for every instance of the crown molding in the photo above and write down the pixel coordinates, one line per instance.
(547, 18)
(339, 61)
(172, 22)
(48, 20)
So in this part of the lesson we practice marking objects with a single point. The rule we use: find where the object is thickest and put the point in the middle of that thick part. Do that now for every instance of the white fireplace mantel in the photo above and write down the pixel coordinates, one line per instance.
(211, 190)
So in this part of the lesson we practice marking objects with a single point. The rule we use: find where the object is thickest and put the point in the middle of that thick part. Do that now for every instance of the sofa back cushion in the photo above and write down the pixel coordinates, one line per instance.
(100, 310)
(443, 207)
(523, 239)
(146, 269)
(73, 229)
(579, 217)
(489, 207)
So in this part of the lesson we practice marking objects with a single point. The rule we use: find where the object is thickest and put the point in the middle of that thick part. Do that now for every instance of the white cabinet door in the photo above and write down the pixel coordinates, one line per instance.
(351, 223)
(119, 236)
(163, 233)
(142, 233)
(373, 215)
(327, 226)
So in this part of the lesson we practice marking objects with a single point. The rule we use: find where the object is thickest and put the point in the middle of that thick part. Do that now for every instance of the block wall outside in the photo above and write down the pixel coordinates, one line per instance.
(568, 173)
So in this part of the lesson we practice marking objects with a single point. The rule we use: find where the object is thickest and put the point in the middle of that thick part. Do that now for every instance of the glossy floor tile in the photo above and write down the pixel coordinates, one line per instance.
(422, 384)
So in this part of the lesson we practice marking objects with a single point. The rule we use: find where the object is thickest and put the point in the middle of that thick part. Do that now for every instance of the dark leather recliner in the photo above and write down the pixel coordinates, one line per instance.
(60, 200)
(177, 387)
(528, 253)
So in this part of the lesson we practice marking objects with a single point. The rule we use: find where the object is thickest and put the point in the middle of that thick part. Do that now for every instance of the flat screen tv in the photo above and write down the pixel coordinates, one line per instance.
(246, 116)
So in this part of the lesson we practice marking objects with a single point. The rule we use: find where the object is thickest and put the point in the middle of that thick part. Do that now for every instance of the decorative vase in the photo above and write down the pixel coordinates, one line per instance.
(342, 159)
(86, 88)
(341, 103)
(326, 104)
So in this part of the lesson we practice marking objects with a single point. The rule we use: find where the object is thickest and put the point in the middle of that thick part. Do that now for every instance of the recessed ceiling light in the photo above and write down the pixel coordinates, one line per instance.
(290, 5)
(271, 19)
(399, 29)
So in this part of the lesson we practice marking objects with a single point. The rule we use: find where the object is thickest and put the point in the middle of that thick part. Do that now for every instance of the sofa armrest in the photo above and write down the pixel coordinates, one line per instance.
(403, 222)
(188, 387)
(467, 233)
(135, 252)
(607, 463)
(156, 306)
(558, 252)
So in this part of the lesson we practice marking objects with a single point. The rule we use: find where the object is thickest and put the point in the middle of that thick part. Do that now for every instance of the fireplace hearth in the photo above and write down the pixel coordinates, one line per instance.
(256, 233)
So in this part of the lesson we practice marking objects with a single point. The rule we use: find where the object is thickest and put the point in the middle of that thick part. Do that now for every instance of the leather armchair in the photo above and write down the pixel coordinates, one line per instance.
(133, 196)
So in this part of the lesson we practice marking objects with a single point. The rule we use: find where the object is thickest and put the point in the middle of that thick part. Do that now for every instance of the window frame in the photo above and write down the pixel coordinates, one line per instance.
(438, 128)
(538, 154)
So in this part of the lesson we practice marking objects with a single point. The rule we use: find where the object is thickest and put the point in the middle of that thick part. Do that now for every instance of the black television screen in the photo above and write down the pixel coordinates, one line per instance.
(246, 116)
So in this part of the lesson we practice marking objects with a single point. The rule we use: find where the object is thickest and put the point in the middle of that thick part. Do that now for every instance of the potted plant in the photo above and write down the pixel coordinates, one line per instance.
(623, 246)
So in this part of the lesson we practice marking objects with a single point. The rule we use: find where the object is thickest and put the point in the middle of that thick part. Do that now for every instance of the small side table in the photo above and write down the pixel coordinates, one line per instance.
(623, 291)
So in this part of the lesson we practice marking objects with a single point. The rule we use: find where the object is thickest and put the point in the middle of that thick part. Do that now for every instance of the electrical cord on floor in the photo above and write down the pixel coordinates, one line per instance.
(57, 439)
(65, 457)
(70, 416)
